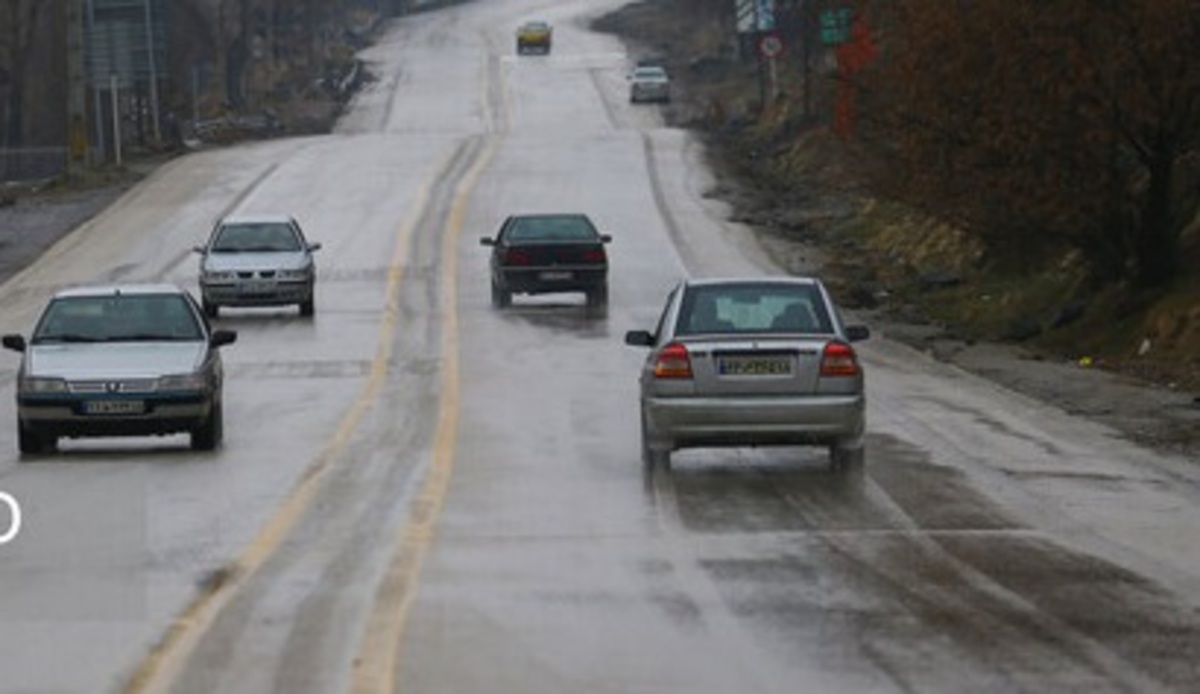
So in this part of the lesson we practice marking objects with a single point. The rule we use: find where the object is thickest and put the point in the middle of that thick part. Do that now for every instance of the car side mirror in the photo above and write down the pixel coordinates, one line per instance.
(221, 338)
(856, 333)
(198, 249)
(639, 338)
(14, 342)
(487, 241)
(605, 238)
(314, 246)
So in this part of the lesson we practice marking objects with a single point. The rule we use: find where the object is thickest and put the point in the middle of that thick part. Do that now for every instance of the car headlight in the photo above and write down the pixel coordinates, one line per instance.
(217, 276)
(182, 382)
(33, 384)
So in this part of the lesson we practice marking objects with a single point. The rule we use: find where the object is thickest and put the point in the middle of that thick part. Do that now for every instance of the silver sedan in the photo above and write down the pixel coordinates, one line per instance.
(750, 362)
(134, 359)
(261, 260)
(649, 83)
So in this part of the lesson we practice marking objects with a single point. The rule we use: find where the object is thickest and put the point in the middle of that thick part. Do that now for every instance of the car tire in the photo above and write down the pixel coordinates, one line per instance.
(501, 298)
(210, 309)
(208, 435)
(849, 460)
(653, 457)
(597, 297)
(308, 308)
(30, 442)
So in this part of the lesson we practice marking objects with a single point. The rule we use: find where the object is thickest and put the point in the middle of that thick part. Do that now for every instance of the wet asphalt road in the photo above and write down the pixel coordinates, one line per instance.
(419, 493)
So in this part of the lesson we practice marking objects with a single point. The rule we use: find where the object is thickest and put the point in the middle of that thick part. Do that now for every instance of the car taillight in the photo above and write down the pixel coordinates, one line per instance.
(839, 359)
(673, 362)
(595, 255)
(514, 256)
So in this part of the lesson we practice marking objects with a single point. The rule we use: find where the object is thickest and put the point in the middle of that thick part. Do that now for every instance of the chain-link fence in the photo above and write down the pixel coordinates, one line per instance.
(32, 164)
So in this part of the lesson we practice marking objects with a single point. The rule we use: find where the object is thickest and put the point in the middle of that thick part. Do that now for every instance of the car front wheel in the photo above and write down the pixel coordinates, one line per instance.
(308, 308)
(208, 435)
(210, 309)
(31, 443)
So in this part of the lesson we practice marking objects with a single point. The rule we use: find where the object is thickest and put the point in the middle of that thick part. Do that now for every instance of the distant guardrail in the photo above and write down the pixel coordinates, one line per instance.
(26, 164)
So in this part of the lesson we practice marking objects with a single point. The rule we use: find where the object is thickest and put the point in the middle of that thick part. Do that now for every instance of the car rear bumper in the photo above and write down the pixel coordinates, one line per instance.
(161, 416)
(760, 421)
(552, 279)
(275, 294)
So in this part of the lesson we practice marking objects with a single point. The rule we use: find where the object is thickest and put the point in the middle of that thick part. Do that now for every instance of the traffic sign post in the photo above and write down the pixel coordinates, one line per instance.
(770, 46)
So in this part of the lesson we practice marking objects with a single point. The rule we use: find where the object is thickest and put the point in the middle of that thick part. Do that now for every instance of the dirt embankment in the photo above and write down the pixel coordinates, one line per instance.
(918, 279)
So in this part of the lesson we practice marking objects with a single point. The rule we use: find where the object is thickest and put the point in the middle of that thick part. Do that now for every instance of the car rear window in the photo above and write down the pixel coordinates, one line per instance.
(551, 229)
(753, 308)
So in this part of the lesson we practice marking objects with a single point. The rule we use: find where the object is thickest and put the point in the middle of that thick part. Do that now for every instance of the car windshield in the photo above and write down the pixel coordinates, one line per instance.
(753, 308)
(118, 318)
(549, 228)
(256, 238)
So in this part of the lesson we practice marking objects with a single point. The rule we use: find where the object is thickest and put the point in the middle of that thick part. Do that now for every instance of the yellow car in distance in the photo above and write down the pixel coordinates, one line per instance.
(534, 36)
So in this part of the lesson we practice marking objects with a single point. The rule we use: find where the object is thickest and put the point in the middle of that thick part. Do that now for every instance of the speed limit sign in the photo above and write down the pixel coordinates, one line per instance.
(770, 45)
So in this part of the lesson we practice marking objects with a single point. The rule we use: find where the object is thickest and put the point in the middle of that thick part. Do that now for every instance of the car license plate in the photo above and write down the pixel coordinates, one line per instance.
(754, 366)
(260, 287)
(105, 407)
(555, 275)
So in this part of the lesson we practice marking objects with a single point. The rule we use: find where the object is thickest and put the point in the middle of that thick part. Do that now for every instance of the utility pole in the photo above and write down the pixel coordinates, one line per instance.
(70, 16)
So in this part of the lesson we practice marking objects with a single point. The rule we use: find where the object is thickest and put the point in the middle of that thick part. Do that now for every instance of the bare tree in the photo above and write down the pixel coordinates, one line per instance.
(1074, 123)
(19, 26)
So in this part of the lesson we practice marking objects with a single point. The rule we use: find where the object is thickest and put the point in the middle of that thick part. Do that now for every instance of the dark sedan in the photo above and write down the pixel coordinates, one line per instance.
(548, 253)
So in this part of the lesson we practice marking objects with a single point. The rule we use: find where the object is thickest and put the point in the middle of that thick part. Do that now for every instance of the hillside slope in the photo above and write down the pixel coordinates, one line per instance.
(1132, 360)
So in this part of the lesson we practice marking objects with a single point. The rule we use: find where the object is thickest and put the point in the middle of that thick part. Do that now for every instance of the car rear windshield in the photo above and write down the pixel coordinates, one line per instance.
(551, 229)
(255, 238)
(754, 308)
(118, 317)
(649, 73)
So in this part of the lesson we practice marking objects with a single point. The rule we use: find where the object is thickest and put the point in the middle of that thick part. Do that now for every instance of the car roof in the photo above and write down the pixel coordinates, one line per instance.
(118, 289)
(552, 215)
(719, 281)
(258, 218)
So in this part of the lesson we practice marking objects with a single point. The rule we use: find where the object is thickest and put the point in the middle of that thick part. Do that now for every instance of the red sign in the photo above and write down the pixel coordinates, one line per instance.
(770, 45)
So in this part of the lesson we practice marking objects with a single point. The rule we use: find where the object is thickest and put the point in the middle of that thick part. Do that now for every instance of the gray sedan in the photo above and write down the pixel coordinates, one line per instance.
(750, 362)
(124, 360)
(261, 260)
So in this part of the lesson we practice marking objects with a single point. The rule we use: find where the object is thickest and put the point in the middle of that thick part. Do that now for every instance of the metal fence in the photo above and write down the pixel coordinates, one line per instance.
(32, 164)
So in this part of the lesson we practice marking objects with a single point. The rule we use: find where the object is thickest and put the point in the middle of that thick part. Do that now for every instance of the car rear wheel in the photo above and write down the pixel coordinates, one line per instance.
(597, 297)
(209, 434)
(653, 457)
(843, 459)
(501, 297)
(31, 443)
